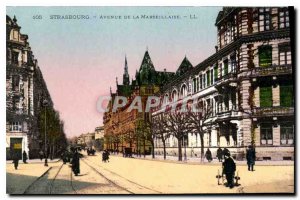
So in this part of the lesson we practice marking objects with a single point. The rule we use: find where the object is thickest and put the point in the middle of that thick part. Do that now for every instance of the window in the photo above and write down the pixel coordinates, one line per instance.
(204, 82)
(284, 21)
(16, 126)
(286, 134)
(286, 96)
(265, 56)
(201, 81)
(15, 56)
(212, 76)
(194, 85)
(266, 134)
(216, 73)
(225, 67)
(197, 83)
(264, 19)
(15, 82)
(233, 64)
(208, 78)
(284, 54)
(265, 96)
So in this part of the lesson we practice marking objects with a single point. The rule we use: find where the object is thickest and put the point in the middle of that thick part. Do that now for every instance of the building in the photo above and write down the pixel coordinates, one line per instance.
(25, 92)
(248, 84)
(121, 127)
(99, 138)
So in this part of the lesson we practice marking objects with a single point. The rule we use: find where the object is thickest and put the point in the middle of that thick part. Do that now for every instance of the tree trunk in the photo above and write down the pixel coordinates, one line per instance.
(164, 146)
(202, 147)
(179, 150)
(152, 152)
(144, 147)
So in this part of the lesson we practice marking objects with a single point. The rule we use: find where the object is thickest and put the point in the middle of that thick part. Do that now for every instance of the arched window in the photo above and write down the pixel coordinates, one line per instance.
(174, 96)
(183, 91)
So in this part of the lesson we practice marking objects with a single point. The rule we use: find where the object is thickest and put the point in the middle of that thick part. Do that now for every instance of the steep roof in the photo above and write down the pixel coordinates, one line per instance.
(184, 67)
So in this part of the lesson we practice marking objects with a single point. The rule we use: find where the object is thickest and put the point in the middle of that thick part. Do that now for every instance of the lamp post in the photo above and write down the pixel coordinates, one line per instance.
(45, 104)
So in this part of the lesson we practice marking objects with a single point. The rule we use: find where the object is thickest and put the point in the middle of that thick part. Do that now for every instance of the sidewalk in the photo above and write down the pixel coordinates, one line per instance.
(33, 161)
(196, 160)
(17, 181)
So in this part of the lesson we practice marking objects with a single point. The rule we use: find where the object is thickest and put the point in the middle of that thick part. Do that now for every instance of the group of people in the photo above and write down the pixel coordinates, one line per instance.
(220, 154)
(229, 166)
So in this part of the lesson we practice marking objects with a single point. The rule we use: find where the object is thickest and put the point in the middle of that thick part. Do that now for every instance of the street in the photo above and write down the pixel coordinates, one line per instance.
(141, 176)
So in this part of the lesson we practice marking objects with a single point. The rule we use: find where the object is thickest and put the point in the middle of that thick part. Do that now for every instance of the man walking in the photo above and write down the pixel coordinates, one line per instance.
(250, 156)
(75, 163)
(219, 154)
(16, 160)
(229, 168)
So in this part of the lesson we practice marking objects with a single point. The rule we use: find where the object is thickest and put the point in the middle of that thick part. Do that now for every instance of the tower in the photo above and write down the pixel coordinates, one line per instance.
(126, 75)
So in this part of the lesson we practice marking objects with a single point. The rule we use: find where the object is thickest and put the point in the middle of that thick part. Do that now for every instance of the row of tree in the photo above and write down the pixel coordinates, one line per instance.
(170, 123)
(49, 122)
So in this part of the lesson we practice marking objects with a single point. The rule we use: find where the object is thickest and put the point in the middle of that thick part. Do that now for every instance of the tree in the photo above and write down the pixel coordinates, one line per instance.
(198, 120)
(178, 125)
(160, 131)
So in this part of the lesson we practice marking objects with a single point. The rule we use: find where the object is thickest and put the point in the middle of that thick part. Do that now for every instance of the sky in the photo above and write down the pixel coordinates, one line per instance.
(81, 58)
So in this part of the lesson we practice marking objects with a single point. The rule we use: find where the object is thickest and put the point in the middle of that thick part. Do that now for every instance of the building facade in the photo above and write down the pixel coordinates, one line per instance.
(248, 84)
(121, 126)
(25, 92)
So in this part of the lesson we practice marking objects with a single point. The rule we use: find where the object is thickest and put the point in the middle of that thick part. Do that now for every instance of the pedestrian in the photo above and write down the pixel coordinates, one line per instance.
(16, 160)
(208, 155)
(229, 168)
(24, 157)
(75, 163)
(41, 153)
(225, 151)
(250, 156)
(219, 154)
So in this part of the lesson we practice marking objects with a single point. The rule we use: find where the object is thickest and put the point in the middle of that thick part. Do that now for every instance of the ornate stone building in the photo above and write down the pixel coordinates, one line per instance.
(25, 92)
(120, 127)
(248, 83)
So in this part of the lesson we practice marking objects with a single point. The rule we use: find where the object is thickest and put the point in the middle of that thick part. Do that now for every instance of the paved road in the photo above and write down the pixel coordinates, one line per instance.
(139, 176)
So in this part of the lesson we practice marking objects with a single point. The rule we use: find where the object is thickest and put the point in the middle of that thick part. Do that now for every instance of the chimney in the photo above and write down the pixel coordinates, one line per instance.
(216, 47)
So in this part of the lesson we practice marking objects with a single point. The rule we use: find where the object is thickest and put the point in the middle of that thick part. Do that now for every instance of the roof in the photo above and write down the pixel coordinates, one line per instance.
(184, 67)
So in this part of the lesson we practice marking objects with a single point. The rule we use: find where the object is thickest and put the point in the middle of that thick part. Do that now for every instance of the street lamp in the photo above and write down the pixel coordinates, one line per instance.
(45, 104)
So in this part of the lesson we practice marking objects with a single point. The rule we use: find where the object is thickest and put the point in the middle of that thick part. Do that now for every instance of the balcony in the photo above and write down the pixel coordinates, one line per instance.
(228, 79)
(273, 111)
(272, 70)
(227, 115)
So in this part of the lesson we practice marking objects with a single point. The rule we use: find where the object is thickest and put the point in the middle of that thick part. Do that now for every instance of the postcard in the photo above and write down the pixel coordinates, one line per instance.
(150, 100)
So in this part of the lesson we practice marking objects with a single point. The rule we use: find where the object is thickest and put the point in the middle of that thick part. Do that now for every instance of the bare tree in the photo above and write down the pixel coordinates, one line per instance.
(198, 120)
(178, 125)
(160, 130)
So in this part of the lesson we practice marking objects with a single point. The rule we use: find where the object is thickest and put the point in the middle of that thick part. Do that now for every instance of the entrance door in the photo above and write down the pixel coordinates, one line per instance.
(16, 147)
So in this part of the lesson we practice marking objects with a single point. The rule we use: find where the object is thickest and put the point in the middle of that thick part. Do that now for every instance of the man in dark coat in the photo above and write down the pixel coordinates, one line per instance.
(75, 163)
(208, 155)
(16, 160)
(219, 154)
(229, 168)
(250, 156)
(24, 157)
